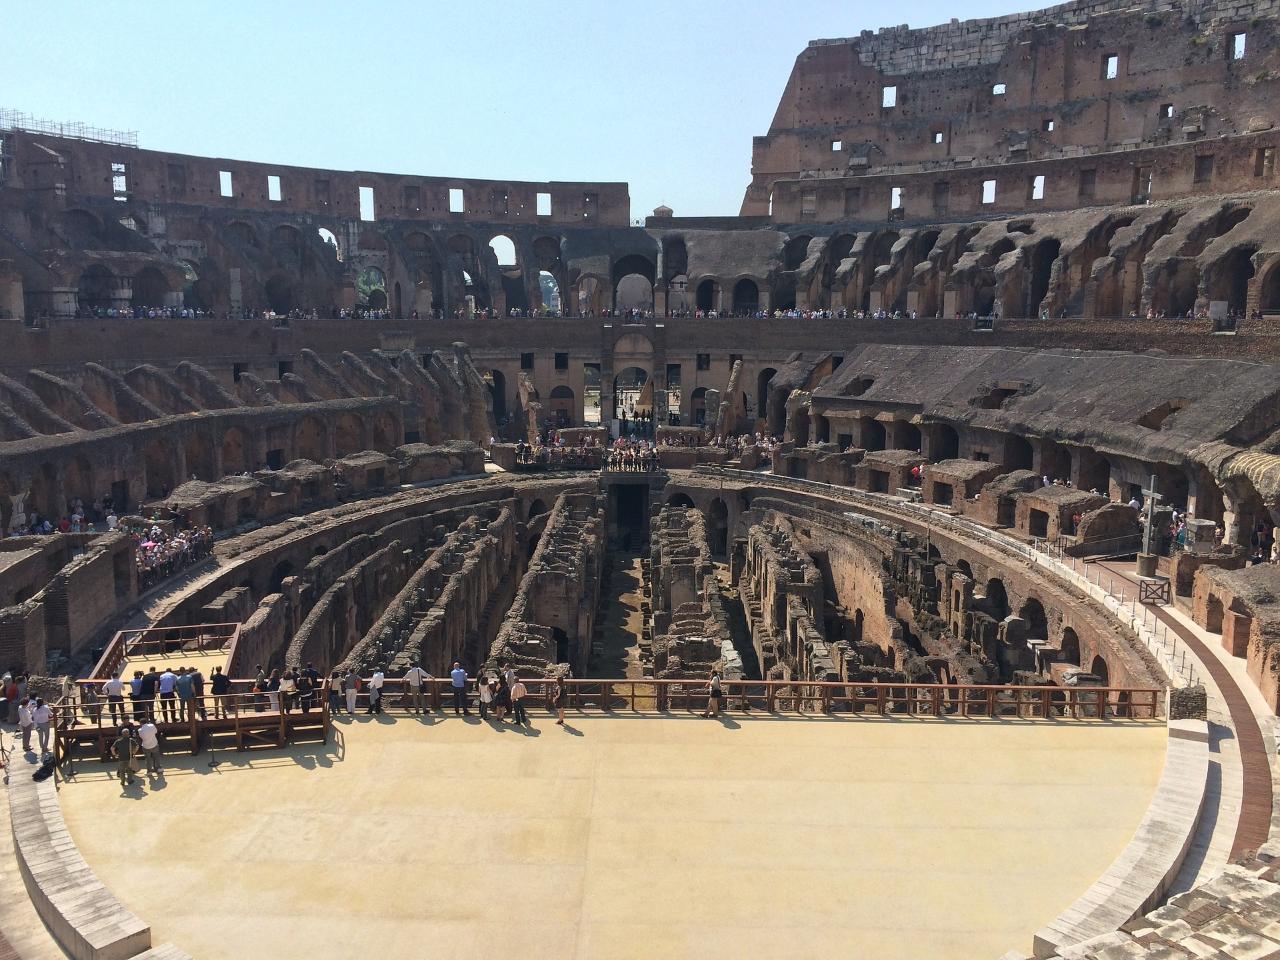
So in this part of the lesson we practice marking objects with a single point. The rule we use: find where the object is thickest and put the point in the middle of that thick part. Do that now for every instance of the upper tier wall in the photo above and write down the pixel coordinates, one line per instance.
(88, 169)
(1044, 85)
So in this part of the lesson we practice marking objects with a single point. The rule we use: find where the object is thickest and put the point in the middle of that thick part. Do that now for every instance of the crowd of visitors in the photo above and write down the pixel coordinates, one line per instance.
(159, 555)
(556, 456)
(633, 456)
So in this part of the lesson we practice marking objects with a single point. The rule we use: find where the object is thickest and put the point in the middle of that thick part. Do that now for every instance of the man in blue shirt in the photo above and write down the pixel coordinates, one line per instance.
(459, 678)
(168, 685)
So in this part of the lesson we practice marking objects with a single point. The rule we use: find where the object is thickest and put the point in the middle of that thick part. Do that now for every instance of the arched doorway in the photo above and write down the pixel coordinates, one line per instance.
(707, 295)
(1032, 611)
(1042, 258)
(632, 393)
(698, 406)
(497, 384)
(997, 599)
(1070, 652)
(762, 392)
(746, 297)
(310, 441)
(564, 412)
(235, 451)
(279, 293)
(679, 500)
(718, 528)
(371, 288)
(150, 289)
(96, 288)
(639, 296)
(348, 435)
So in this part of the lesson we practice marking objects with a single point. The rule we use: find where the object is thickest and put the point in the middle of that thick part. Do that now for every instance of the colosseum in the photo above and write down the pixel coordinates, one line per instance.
(887, 570)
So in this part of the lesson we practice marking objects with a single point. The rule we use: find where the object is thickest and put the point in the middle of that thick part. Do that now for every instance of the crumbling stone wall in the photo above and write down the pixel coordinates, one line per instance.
(551, 618)
(690, 621)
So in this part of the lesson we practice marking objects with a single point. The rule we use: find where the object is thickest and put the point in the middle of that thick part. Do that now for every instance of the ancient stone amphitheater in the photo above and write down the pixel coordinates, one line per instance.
(965, 475)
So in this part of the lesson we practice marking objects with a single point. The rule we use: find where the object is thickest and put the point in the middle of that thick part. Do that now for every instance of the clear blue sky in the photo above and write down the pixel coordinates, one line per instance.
(665, 95)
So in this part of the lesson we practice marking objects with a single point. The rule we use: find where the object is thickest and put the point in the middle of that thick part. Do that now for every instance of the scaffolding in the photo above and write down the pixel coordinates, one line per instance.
(18, 121)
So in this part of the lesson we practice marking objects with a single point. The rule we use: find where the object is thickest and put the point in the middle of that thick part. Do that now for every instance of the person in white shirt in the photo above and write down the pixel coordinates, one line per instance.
(414, 679)
(375, 691)
(149, 738)
(25, 724)
(113, 690)
(42, 717)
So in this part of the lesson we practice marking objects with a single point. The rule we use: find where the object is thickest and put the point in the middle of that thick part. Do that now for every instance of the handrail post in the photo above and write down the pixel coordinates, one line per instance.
(881, 698)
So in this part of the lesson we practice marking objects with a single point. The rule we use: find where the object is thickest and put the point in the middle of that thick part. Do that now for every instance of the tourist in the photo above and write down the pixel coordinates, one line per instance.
(42, 718)
(288, 691)
(220, 687)
(167, 685)
(150, 688)
(375, 691)
(415, 678)
(125, 750)
(484, 687)
(351, 686)
(149, 742)
(113, 690)
(306, 690)
(12, 694)
(501, 699)
(25, 725)
(335, 692)
(135, 695)
(458, 680)
(273, 690)
(715, 692)
(559, 694)
(186, 694)
(197, 692)
(518, 692)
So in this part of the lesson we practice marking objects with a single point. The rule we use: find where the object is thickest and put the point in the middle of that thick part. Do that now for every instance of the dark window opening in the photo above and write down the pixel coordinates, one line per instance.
(236, 370)
(562, 361)
(704, 361)
(526, 361)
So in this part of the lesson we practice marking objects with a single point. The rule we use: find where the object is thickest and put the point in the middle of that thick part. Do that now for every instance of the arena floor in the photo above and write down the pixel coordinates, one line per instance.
(625, 837)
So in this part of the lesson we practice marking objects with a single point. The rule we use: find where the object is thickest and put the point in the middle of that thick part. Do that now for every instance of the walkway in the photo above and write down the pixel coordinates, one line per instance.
(1255, 789)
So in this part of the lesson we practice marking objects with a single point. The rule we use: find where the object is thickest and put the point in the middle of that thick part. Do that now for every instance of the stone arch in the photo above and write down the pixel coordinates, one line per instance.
(698, 406)
(944, 442)
(384, 432)
(795, 251)
(150, 288)
(1069, 651)
(536, 509)
(279, 292)
(311, 440)
(1100, 669)
(630, 265)
(1043, 256)
(198, 453)
(563, 406)
(371, 288)
(746, 297)
(78, 479)
(1018, 453)
(718, 528)
(242, 233)
(96, 288)
(496, 381)
(707, 294)
(762, 391)
(1032, 611)
(679, 500)
(631, 380)
(997, 598)
(236, 450)
(348, 435)
(1231, 276)
(161, 467)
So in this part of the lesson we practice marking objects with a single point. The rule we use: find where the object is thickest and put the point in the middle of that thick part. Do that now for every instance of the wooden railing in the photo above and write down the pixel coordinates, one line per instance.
(156, 640)
(251, 718)
(814, 697)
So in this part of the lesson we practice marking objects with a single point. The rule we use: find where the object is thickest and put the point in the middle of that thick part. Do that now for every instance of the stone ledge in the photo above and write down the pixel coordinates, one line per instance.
(1139, 877)
(82, 914)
